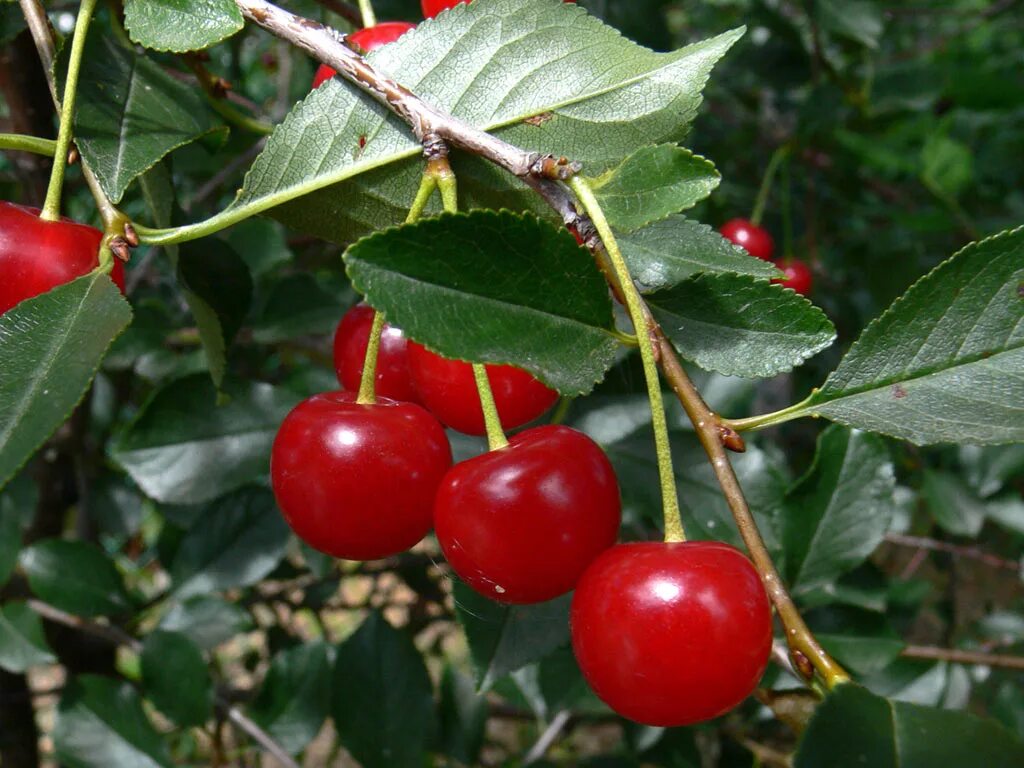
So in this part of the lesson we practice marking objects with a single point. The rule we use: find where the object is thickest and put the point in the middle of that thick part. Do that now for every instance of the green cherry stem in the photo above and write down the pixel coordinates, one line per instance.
(492, 421)
(33, 144)
(766, 183)
(669, 498)
(51, 208)
(764, 420)
(366, 11)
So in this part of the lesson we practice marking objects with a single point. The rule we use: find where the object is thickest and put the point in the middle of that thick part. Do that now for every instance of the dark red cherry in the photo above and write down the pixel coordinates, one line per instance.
(798, 275)
(671, 634)
(350, 341)
(38, 255)
(749, 236)
(447, 389)
(521, 523)
(358, 481)
(433, 7)
(367, 39)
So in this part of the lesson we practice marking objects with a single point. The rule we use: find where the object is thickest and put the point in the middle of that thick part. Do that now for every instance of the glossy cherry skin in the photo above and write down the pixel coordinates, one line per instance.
(671, 634)
(755, 240)
(798, 275)
(433, 7)
(521, 523)
(358, 481)
(37, 255)
(447, 389)
(350, 340)
(367, 40)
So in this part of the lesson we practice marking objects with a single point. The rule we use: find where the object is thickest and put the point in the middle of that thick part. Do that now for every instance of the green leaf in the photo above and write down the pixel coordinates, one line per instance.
(10, 540)
(181, 25)
(493, 287)
(130, 113)
(101, 724)
(50, 348)
(948, 165)
(12, 22)
(22, 644)
(863, 641)
(382, 700)
(669, 251)
(294, 699)
(235, 542)
(953, 505)
(854, 728)
(587, 92)
(175, 678)
(464, 715)
(297, 306)
(945, 363)
(183, 448)
(504, 638)
(652, 183)
(207, 619)
(856, 20)
(739, 325)
(74, 576)
(837, 513)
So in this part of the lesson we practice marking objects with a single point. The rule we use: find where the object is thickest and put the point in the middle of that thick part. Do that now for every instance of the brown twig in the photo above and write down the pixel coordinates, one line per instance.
(957, 656)
(957, 550)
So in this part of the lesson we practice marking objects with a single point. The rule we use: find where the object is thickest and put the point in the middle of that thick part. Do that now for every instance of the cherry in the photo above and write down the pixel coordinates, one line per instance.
(433, 7)
(671, 634)
(521, 523)
(358, 481)
(798, 275)
(448, 389)
(749, 236)
(37, 255)
(366, 39)
(350, 342)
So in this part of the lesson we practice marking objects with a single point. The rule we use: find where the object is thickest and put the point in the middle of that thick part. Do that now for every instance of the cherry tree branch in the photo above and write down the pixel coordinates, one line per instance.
(957, 550)
(958, 656)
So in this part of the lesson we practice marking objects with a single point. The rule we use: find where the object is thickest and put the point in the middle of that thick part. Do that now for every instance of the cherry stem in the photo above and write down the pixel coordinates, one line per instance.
(669, 498)
(51, 208)
(23, 143)
(766, 183)
(495, 434)
(366, 11)
(795, 411)
(787, 213)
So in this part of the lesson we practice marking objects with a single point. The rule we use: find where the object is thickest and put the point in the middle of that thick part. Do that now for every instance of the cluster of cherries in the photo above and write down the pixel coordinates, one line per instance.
(759, 243)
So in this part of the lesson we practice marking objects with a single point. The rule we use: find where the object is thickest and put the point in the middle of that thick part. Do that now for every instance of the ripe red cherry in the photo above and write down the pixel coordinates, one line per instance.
(358, 481)
(367, 39)
(448, 389)
(798, 275)
(350, 341)
(37, 255)
(749, 236)
(671, 634)
(521, 523)
(433, 7)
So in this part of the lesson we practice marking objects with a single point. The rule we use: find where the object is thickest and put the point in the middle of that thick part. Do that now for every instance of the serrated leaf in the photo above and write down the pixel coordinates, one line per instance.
(181, 25)
(50, 348)
(504, 638)
(175, 677)
(22, 644)
(668, 251)
(587, 92)
(130, 113)
(837, 513)
(74, 576)
(945, 363)
(493, 287)
(207, 619)
(235, 542)
(382, 699)
(101, 723)
(855, 728)
(294, 699)
(183, 448)
(739, 325)
(652, 183)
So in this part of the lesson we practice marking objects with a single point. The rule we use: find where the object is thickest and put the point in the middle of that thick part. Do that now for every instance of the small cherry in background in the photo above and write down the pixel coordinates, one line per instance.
(519, 524)
(37, 255)
(749, 236)
(350, 341)
(357, 481)
(670, 634)
(448, 390)
(433, 7)
(798, 275)
(367, 39)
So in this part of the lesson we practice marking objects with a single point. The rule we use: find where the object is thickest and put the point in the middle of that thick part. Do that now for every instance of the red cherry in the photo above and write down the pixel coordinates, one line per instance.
(798, 275)
(433, 7)
(749, 236)
(448, 389)
(37, 255)
(358, 481)
(671, 634)
(367, 39)
(350, 341)
(520, 524)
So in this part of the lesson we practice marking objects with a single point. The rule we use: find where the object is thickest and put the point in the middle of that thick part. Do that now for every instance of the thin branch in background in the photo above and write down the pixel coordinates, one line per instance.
(958, 656)
(548, 738)
(957, 550)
